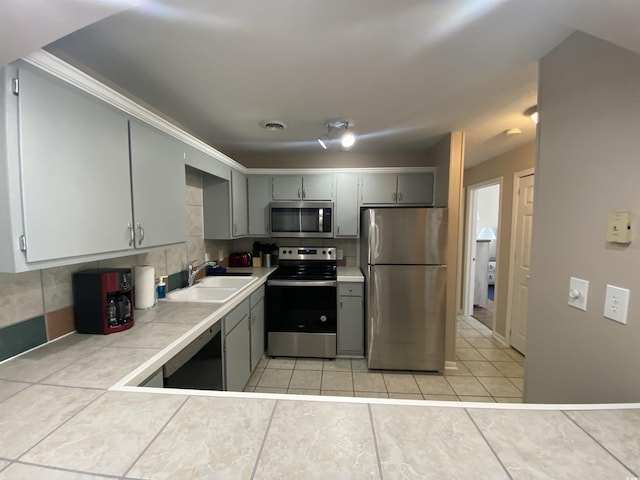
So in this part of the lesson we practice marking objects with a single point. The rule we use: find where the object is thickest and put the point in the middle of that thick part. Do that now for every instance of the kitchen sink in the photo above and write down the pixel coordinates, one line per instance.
(211, 290)
(225, 282)
(201, 294)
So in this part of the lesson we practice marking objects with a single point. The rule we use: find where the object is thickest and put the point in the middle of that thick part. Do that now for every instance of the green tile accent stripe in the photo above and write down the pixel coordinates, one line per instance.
(22, 336)
(178, 280)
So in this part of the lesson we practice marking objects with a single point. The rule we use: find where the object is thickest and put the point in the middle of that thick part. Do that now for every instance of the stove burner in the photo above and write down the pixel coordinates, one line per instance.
(306, 263)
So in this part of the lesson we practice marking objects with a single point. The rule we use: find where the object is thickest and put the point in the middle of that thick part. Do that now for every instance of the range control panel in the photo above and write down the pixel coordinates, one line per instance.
(307, 253)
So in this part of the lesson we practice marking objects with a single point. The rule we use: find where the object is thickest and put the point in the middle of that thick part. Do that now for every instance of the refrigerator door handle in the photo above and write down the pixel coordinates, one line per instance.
(376, 243)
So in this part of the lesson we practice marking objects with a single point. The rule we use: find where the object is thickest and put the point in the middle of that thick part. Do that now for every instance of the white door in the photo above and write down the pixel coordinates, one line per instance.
(522, 264)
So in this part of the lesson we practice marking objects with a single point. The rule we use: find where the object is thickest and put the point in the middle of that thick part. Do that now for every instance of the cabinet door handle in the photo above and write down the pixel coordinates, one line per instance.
(399, 196)
(141, 232)
(298, 192)
(341, 304)
(235, 228)
(132, 235)
(338, 232)
(304, 193)
(394, 196)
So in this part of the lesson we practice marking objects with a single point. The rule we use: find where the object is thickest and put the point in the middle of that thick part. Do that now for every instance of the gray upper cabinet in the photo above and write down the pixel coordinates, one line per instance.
(298, 188)
(158, 186)
(258, 197)
(225, 206)
(346, 216)
(206, 163)
(239, 208)
(74, 159)
(75, 185)
(415, 188)
(397, 189)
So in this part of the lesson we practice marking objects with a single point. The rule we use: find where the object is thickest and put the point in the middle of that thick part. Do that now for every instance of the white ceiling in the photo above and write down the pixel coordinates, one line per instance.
(404, 72)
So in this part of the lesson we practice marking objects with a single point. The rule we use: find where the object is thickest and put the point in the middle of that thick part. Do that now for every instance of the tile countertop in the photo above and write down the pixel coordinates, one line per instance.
(66, 412)
(350, 274)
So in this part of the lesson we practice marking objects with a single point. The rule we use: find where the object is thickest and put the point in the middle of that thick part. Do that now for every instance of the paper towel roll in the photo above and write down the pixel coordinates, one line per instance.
(145, 284)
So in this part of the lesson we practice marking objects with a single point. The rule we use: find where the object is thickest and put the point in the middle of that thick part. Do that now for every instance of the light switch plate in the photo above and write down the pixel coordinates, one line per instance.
(578, 293)
(616, 303)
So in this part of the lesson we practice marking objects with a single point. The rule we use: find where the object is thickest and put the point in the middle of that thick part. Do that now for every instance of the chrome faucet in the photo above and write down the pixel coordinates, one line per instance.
(193, 271)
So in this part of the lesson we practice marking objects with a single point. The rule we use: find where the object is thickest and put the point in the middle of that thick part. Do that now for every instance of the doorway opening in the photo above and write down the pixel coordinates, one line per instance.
(481, 255)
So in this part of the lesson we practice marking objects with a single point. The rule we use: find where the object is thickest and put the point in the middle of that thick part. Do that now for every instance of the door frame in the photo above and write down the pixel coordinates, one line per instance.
(470, 241)
(517, 176)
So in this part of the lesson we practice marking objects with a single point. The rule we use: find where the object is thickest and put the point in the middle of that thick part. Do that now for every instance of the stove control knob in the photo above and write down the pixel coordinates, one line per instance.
(324, 252)
(323, 318)
(329, 252)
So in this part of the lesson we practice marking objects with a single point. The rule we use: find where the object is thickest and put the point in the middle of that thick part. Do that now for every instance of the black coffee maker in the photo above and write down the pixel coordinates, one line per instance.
(102, 300)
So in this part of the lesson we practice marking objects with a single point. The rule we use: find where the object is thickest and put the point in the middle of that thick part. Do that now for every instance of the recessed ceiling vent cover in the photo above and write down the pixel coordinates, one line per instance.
(274, 125)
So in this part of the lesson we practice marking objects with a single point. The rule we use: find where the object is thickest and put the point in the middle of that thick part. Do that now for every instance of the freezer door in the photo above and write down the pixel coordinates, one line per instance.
(407, 236)
(406, 317)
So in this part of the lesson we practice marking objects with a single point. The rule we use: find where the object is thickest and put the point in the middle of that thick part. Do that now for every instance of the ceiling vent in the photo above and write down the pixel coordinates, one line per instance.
(273, 126)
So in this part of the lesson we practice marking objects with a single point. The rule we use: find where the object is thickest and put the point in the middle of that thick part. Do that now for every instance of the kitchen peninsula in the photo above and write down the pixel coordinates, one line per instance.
(67, 412)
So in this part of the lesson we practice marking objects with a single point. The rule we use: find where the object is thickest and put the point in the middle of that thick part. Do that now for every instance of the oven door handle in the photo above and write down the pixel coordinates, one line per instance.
(302, 283)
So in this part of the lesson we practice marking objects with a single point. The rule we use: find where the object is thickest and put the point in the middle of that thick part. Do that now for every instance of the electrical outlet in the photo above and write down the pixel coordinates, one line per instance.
(616, 303)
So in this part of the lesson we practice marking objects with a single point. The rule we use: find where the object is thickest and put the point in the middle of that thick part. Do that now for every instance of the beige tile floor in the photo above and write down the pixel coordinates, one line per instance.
(487, 372)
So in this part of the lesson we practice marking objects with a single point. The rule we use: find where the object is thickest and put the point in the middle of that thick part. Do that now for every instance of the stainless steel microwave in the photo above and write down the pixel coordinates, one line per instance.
(301, 219)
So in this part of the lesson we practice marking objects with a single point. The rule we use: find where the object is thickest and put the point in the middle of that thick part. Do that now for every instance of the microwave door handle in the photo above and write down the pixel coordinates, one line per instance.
(320, 219)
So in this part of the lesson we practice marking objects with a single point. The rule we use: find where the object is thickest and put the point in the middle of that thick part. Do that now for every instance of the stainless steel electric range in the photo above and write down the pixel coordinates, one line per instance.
(301, 306)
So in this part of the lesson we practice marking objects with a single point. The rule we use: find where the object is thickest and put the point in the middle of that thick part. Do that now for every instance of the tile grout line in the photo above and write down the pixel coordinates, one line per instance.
(264, 439)
(60, 426)
(62, 469)
(375, 441)
(144, 450)
(635, 474)
(495, 454)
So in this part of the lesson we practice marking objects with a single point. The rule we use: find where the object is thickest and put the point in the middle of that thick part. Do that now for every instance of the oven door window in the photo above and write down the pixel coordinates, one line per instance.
(301, 309)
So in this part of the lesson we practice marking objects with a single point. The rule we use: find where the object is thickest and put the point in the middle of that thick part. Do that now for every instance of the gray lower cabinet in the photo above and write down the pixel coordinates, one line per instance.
(350, 319)
(237, 348)
(257, 327)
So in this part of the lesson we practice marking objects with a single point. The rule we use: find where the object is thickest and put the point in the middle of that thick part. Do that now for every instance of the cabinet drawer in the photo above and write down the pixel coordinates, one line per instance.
(351, 289)
(236, 316)
(256, 296)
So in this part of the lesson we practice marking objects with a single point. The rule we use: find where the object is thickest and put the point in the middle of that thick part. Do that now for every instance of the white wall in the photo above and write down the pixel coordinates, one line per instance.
(588, 165)
(488, 202)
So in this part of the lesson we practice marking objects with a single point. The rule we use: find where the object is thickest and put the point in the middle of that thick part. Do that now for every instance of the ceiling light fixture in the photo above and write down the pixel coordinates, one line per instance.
(335, 129)
(532, 113)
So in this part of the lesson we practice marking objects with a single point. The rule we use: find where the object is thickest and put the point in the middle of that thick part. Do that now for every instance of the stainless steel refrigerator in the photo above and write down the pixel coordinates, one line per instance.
(403, 258)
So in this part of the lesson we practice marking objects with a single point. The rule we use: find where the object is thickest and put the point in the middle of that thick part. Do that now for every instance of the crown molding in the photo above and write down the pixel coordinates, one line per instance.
(70, 74)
